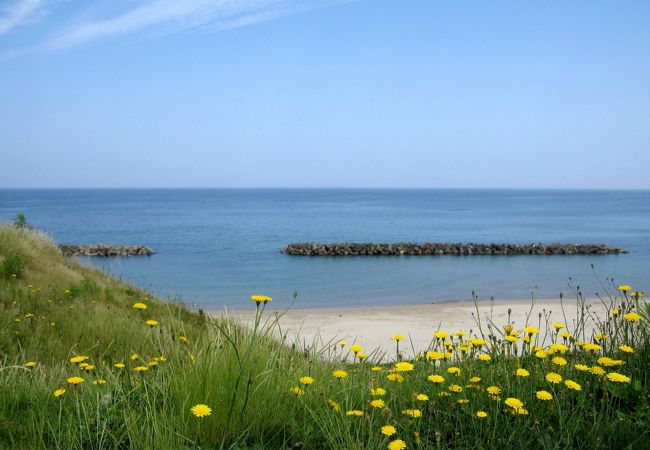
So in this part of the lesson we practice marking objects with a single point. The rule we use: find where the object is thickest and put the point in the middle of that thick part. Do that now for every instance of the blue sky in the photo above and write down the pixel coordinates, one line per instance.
(324, 93)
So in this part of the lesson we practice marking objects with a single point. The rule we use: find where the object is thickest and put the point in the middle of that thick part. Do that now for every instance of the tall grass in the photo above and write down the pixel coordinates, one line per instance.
(256, 386)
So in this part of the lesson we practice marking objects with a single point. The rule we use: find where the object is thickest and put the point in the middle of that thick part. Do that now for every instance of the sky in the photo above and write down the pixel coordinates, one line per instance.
(325, 93)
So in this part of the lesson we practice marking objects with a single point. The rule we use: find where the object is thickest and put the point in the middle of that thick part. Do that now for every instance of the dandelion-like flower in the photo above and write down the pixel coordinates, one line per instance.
(404, 367)
(78, 359)
(597, 370)
(553, 377)
(522, 372)
(356, 348)
(625, 288)
(75, 380)
(397, 337)
(388, 430)
(58, 393)
(334, 405)
(306, 380)
(422, 397)
(297, 391)
(395, 377)
(30, 364)
(626, 349)
(475, 380)
(377, 403)
(484, 357)
(339, 374)
(397, 444)
(260, 299)
(481, 414)
(544, 395)
(141, 369)
(455, 388)
(415, 413)
(581, 367)
(514, 403)
(201, 410)
(618, 377)
(378, 391)
(572, 385)
(436, 379)
(140, 306)
(632, 317)
(493, 390)
(99, 382)
(453, 370)
(559, 361)
(152, 323)
(119, 365)
(441, 335)
(354, 413)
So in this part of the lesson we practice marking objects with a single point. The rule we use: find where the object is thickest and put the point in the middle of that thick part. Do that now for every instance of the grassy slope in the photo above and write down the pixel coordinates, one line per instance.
(57, 309)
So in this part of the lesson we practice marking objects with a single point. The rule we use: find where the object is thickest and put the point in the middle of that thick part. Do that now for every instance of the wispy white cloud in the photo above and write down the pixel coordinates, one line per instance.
(169, 16)
(19, 12)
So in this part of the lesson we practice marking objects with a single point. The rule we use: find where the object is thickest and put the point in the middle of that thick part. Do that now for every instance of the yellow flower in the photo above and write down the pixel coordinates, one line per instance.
(377, 403)
(356, 348)
(306, 380)
(632, 317)
(558, 326)
(412, 413)
(343, 343)
(514, 403)
(522, 373)
(201, 410)
(339, 374)
(78, 359)
(476, 342)
(59, 393)
(361, 356)
(455, 388)
(559, 348)
(388, 430)
(541, 354)
(334, 405)
(553, 377)
(99, 382)
(511, 339)
(531, 330)
(435, 355)
(618, 378)
(297, 391)
(397, 444)
(140, 306)
(597, 370)
(395, 377)
(436, 379)
(565, 335)
(376, 369)
(30, 364)
(544, 395)
(404, 367)
(625, 288)
(422, 397)
(183, 340)
(615, 312)
(461, 334)
(441, 335)
(378, 391)
(260, 299)
(522, 411)
(88, 367)
(559, 361)
(75, 380)
(134, 356)
(637, 295)
(397, 337)
(152, 363)
(119, 365)
(626, 349)
(581, 367)
(481, 414)
(453, 370)
(152, 323)
(572, 385)
(354, 412)
(600, 336)
(462, 401)
(141, 369)
(484, 357)
(475, 380)
(609, 362)
(592, 347)
(493, 390)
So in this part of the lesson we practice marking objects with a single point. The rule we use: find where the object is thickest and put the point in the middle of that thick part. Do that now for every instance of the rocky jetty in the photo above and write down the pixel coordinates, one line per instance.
(105, 250)
(444, 248)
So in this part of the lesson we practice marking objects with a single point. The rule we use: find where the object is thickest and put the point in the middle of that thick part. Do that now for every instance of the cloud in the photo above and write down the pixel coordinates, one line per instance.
(18, 13)
(170, 16)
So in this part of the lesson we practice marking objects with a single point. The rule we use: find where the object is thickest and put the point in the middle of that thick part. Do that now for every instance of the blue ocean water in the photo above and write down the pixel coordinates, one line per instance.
(215, 247)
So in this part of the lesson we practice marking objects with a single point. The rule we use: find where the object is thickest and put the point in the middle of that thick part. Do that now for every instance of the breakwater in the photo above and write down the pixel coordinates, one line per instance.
(444, 248)
(105, 250)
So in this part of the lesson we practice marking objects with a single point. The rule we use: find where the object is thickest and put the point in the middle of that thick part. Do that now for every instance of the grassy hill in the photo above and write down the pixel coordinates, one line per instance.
(144, 368)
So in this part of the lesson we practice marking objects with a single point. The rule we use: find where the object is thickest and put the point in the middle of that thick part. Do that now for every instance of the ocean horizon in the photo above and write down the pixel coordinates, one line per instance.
(217, 246)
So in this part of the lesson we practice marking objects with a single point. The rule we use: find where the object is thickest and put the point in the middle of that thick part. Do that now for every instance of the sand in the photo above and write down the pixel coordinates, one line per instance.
(373, 327)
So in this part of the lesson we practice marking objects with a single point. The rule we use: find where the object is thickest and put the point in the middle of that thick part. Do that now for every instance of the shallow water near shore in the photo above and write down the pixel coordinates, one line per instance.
(217, 246)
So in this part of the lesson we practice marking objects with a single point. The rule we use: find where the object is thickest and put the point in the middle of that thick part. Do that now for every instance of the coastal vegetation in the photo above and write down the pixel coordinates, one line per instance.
(87, 361)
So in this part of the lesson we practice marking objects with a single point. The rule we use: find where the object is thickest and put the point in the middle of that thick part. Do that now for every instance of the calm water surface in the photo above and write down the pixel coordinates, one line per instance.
(217, 246)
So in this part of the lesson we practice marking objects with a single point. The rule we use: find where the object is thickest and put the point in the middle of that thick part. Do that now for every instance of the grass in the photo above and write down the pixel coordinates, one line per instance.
(52, 309)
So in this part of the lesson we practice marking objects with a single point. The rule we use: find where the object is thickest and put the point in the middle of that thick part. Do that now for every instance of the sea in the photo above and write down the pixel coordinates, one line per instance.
(216, 247)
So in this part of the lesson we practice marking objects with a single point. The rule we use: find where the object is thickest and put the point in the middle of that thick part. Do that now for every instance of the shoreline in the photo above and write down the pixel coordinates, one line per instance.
(372, 327)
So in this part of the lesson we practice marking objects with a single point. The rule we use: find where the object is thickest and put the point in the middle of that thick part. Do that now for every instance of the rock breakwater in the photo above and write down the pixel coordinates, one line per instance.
(105, 250)
(444, 248)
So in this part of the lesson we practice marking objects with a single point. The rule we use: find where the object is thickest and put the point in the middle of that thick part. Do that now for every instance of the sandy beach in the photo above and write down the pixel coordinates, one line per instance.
(373, 327)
